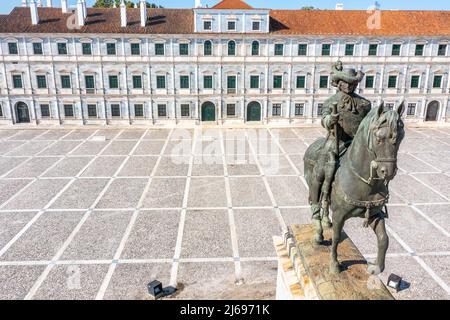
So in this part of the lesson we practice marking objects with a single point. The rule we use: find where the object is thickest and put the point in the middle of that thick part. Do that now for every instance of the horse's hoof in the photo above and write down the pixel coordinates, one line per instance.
(318, 238)
(374, 269)
(326, 224)
(334, 268)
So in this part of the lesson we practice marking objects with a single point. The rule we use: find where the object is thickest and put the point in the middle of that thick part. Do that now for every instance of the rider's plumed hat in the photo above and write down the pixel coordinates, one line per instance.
(349, 75)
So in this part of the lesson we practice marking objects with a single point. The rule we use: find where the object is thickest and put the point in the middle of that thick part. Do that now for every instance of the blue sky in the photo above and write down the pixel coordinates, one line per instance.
(7, 5)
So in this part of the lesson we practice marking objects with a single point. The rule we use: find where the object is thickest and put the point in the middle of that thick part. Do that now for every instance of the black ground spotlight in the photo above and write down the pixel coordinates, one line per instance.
(394, 282)
(155, 289)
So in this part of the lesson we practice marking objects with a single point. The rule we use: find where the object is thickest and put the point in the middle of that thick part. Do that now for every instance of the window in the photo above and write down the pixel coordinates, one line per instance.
(184, 49)
(255, 48)
(302, 49)
(65, 82)
(135, 49)
(299, 109)
(207, 25)
(277, 82)
(419, 50)
(37, 48)
(396, 48)
(349, 49)
(231, 48)
(276, 109)
(390, 106)
(162, 112)
(1, 111)
(207, 82)
(392, 82)
(231, 84)
(185, 110)
(159, 49)
(442, 50)
(68, 111)
(411, 111)
(207, 48)
(137, 82)
(45, 111)
(17, 81)
(231, 110)
(415, 80)
(86, 49)
(231, 25)
(62, 48)
(184, 82)
(160, 82)
(256, 25)
(90, 83)
(373, 49)
(115, 110)
(370, 82)
(301, 82)
(323, 82)
(113, 82)
(437, 82)
(92, 110)
(12, 47)
(319, 109)
(138, 110)
(254, 82)
(41, 82)
(111, 49)
(279, 49)
(326, 49)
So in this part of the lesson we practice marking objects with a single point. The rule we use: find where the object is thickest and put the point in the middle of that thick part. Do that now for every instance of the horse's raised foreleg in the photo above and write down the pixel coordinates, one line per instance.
(379, 227)
(338, 225)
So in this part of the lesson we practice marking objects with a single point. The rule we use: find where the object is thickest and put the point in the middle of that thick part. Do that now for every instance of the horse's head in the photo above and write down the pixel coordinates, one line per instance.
(385, 135)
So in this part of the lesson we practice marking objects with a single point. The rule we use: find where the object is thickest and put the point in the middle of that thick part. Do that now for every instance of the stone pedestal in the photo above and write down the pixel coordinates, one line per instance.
(303, 269)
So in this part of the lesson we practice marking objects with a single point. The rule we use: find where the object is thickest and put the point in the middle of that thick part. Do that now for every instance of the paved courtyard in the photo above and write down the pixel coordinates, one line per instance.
(83, 217)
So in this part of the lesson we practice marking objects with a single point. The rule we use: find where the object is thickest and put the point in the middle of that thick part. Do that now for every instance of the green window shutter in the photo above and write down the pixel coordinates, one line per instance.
(231, 82)
(137, 82)
(159, 49)
(415, 80)
(138, 110)
(207, 48)
(396, 48)
(87, 48)
(17, 81)
(326, 49)
(160, 82)
(373, 49)
(277, 82)
(279, 49)
(184, 82)
(419, 50)
(113, 82)
(68, 110)
(437, 81)
(62, 48)
(37, 48)
(231, 48)
(89, 82)
(254, 82)
(323, 82)
(185, 110)
(370, 82)
(442, 51)
(184, 49)
(255, 48)
(115, 110)
(162, 110)
(392, 82)
(65, 82)
(301, 82)
(41, 82)
(302, 49)
(207, 82)
(12, 47)
(92, 110)
(349, 49)
(45, 110)
(111, 49)
(135, 49)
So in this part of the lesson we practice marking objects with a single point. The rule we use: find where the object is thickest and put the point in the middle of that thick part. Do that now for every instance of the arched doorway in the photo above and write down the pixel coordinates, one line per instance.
(254, 111)
(208, 111)
(432, 111)
(22, 113)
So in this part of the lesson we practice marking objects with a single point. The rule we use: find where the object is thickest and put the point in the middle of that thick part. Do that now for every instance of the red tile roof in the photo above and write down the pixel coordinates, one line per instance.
(232, 4)
(282, 22)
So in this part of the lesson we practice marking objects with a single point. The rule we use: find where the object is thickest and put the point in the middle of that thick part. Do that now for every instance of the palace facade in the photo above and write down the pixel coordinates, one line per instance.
(227, 64)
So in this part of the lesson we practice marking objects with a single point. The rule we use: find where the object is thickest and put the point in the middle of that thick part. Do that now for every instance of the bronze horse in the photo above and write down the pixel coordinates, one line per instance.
(360, 187)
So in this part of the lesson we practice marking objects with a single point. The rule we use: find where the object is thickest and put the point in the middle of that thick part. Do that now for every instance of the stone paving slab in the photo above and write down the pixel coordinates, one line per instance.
(163, 211)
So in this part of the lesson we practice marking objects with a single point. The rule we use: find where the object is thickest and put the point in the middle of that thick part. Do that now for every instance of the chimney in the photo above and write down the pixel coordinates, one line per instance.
(143, 13)
(34, 12)
(49, 3)
(80, 13)
(64, 6)
(339, 6)
(24, 3)
(123, 14)
(198, 3)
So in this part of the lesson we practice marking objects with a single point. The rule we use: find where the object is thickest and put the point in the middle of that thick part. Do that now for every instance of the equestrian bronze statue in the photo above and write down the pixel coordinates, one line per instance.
(350, 169)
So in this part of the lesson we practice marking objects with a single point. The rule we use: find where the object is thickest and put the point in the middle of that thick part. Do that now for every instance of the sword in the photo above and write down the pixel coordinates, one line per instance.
(335, 129)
